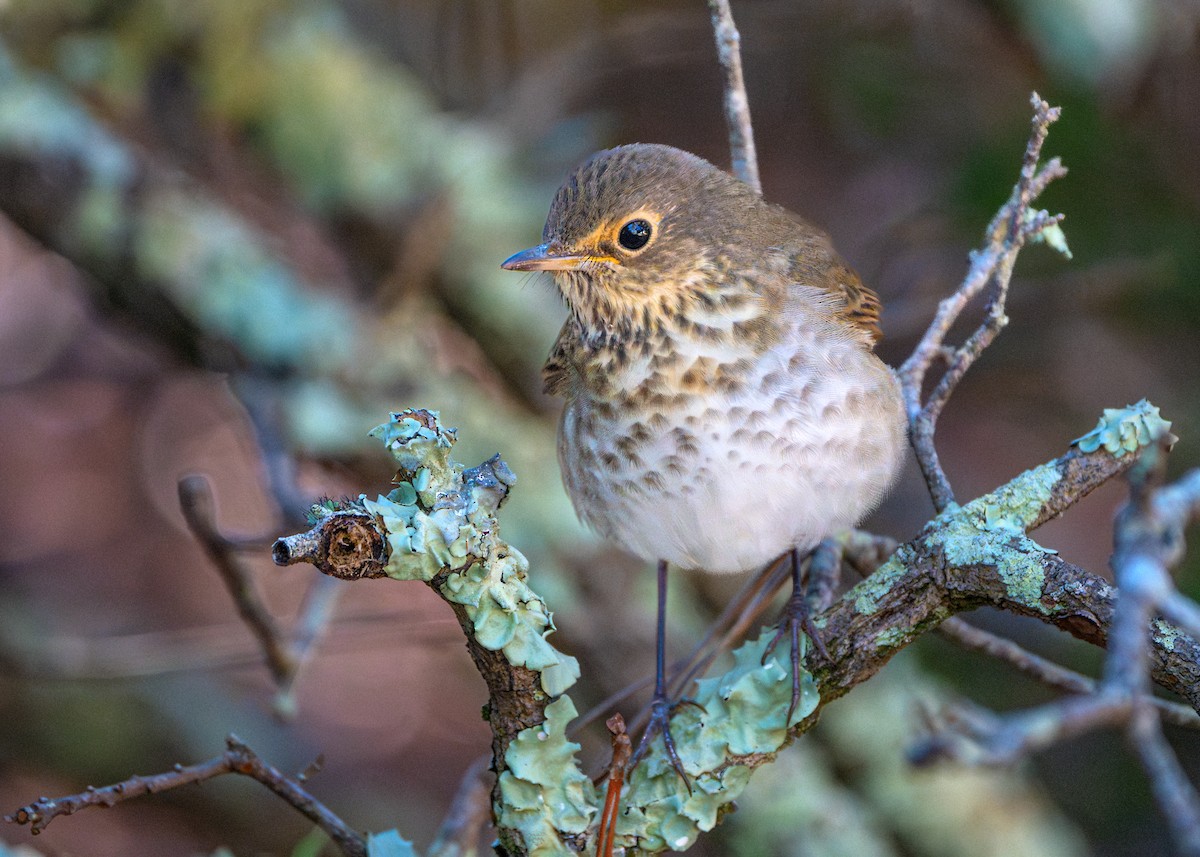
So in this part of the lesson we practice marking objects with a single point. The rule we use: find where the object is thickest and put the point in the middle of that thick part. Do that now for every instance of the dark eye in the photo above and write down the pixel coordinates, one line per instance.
(634, 235)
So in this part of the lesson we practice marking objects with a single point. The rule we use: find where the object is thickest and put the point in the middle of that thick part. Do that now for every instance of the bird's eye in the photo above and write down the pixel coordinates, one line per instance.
(634, 235)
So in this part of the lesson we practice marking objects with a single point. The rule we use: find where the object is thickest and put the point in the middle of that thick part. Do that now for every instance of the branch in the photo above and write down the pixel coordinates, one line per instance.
(196, 501)
(1047, 672)
(438, 526)
(1014, 224)
(237, 759)
(737, 105)
(1149, 538)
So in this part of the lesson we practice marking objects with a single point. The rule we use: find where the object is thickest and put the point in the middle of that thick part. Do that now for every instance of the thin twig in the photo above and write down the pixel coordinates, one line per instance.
(237, 759)
(1172, 790)
(261, 400)
(312, 621)
(972, 736)
(1046, 671)
(458, 835)
(196, 501)
(622, 749)
(1013, 225)
(737, 105)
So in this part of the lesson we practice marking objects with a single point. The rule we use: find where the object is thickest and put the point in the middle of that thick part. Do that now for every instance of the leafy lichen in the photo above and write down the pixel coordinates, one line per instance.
(543, 791)
(440, 520)
(739, 716)
(1124, 430)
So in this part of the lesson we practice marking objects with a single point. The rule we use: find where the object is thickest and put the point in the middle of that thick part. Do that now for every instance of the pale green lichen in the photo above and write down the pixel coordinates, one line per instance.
(991, 531)
(1164, 634)
(890, 638)
(741, 717)
(543, 793)
(1051, 235)
(1124, 430)
(440, 520)
(870, 593)
(389, 844)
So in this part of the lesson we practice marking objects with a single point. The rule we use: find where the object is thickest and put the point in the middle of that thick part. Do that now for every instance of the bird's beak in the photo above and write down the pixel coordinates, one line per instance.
(547, 257)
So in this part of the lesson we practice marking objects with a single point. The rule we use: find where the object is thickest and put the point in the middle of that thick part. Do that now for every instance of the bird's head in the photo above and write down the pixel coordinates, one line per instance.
(640, 232)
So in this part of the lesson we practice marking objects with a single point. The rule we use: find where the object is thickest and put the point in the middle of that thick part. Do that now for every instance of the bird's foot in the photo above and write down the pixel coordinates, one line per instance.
(661, 710)
(797, 617)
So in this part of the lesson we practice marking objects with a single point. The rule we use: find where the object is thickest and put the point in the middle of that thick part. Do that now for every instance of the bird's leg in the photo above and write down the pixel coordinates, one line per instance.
(660, 705)
(803, 604)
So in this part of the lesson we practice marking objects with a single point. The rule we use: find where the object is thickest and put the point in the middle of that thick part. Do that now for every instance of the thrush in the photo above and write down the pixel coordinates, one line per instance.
(724, 405)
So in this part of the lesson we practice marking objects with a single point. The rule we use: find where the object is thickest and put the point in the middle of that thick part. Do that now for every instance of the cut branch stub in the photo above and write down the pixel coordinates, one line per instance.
(345, 544)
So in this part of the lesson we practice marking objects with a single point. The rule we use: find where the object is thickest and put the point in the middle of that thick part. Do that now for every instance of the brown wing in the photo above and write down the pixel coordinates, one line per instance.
(861, 305)
(817, 264)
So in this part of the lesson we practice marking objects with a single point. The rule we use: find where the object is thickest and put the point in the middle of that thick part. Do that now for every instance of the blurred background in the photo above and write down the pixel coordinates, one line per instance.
(234, 234)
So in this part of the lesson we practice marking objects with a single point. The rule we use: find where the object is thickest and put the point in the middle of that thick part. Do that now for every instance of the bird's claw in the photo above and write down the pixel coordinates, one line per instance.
(796, 618)
(660, 721)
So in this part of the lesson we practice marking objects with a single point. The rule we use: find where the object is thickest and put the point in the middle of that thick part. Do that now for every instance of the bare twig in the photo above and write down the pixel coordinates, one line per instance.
(1176, 796)
(237, 759)
(737, 105)
(1046, 671)
(622, 749)
(196, 501)
(459, 832)
(262, 404)
(1014, 224)
(974, 736)
(312, 621)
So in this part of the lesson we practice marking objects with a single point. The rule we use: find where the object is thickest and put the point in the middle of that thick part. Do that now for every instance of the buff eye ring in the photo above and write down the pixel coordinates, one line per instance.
(635, 234)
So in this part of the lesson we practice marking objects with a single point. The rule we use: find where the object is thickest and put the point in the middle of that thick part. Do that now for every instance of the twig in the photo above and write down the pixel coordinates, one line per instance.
(196, 501)
(459, 832)
(737, 105)
(262, 405)
(237, 759)
(1046, 671)
(1174, 793)
(313, 620)
(1013, 225)
(974, 736)
(622, 749)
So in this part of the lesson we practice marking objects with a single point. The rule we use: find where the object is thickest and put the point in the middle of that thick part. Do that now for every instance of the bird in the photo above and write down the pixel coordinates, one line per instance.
(724, 405)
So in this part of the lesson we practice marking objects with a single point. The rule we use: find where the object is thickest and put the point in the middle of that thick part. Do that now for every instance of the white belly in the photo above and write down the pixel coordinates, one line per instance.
(728, 482)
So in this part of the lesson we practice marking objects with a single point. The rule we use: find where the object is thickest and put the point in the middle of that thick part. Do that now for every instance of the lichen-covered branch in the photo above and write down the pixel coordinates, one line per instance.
(1015, 224)
(1149, 539)
(438, 525)
(238, 758)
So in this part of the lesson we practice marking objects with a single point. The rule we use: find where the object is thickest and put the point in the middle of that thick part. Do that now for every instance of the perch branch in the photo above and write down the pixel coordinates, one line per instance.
(237, 759)
(1149, 538)
(966, 558)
